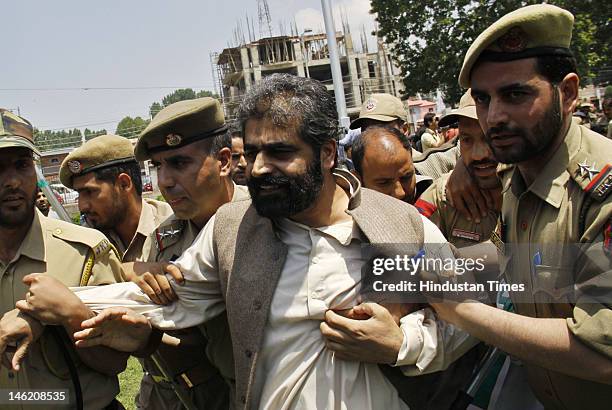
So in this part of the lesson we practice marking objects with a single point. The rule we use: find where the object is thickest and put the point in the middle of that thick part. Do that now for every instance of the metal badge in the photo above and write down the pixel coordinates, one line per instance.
(173, 140)
(75, 166)
(587, 171)
(370, 104)
(514, 41)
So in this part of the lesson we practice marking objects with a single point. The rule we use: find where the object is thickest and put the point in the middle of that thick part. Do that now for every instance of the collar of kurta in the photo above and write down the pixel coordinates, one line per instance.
(33, 245)
(551, 181)
(342, 232)
(350, 183)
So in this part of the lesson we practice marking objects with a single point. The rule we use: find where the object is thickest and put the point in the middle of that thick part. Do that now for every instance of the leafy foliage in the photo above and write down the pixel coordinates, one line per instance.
(128, 127)
(179, 95)
(429, 38)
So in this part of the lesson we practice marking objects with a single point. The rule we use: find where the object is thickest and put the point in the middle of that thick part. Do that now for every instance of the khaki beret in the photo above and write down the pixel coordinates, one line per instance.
(380, 107)
(467, 108)
(16, 131)
(530, 31)
(100, 152)
(180, 124)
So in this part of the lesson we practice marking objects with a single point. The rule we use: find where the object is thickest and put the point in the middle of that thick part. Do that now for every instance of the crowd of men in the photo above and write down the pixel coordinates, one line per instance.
(244, 288)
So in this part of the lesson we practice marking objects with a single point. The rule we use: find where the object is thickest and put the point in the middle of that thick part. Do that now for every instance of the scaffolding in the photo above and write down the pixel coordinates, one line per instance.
(236, 69)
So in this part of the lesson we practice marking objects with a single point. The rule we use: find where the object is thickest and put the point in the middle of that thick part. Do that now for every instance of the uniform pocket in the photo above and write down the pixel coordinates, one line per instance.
(554, 281)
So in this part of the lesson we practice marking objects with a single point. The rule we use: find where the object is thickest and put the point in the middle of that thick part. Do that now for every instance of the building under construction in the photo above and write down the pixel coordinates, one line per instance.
(236, 69)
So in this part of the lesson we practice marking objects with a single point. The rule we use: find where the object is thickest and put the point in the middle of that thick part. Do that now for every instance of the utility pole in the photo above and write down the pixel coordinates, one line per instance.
(334, 62)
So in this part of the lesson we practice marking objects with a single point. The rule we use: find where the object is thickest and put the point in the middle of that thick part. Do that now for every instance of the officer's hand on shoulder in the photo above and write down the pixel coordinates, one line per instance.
(464, 194)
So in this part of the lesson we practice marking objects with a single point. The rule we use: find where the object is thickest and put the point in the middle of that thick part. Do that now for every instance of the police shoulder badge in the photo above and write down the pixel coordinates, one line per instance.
(173, 140)
(75, 166)
(101, 248)
(601, 185)
(513, 41)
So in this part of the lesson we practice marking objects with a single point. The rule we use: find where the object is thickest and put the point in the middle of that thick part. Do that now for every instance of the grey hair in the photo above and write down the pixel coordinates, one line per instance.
(290, 101)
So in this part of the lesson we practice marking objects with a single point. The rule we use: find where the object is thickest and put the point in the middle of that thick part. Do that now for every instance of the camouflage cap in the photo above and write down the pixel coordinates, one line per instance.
(100, 152)
(180, 124)
(467, 108)
(380, 107)
(16, 131)
(530, 31)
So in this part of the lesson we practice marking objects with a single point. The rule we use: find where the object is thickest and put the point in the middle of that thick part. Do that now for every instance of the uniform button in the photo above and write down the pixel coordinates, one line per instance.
(257, 305)
(248, 353)
(547, 391)
(524, 225)
(243, 399)
(11, 375)
(58, 231)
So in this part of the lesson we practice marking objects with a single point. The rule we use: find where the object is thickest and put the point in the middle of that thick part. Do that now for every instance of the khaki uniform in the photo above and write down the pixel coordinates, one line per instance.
(455, 227)
(152, 215)
(568, 204)
(430, 139)
(209, 373)
(76, 256)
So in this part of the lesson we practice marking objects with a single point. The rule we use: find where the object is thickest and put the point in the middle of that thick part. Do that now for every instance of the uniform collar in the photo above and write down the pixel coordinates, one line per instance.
(33, 245)
(148, 221)
(550, 183)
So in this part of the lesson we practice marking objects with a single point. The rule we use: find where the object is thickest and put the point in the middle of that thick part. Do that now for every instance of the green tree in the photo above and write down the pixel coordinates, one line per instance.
(154, 109)
(429, 38)
(47, 140)
(90, 134)
(179, 95)
(130, 127)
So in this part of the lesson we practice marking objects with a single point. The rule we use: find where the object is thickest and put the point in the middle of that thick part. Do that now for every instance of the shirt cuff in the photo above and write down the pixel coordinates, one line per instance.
(412, 345)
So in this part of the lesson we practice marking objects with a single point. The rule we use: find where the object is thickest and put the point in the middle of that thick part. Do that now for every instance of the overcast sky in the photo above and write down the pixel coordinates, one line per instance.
(72, 45)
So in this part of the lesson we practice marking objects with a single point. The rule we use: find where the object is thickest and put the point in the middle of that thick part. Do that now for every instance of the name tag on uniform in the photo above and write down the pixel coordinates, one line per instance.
(460, 233)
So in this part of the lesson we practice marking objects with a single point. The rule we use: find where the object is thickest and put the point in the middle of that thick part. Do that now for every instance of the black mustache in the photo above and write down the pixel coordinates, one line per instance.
(477, 163)
(503, 128)
(268, 180)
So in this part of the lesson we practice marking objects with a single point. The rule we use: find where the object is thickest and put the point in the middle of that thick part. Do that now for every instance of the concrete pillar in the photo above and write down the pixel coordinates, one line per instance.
(299, 58)
(246, 67)
(255, 59)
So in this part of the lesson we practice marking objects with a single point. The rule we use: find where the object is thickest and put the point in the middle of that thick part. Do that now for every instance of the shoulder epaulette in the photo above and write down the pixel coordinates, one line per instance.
(590, 168)
(168, 233)
(94, 239)
(593, 178)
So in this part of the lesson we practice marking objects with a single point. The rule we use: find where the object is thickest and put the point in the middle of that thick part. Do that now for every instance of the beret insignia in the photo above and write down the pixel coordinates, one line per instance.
(513, 41)
(75, 166)
(370, 104)
(173, 140)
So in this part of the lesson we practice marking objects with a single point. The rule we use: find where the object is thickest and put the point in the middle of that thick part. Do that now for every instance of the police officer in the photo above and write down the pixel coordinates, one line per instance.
(107, 177)
(385, 109)
(188, 143)
(480, 162)
(554, 233)
(30, 245)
